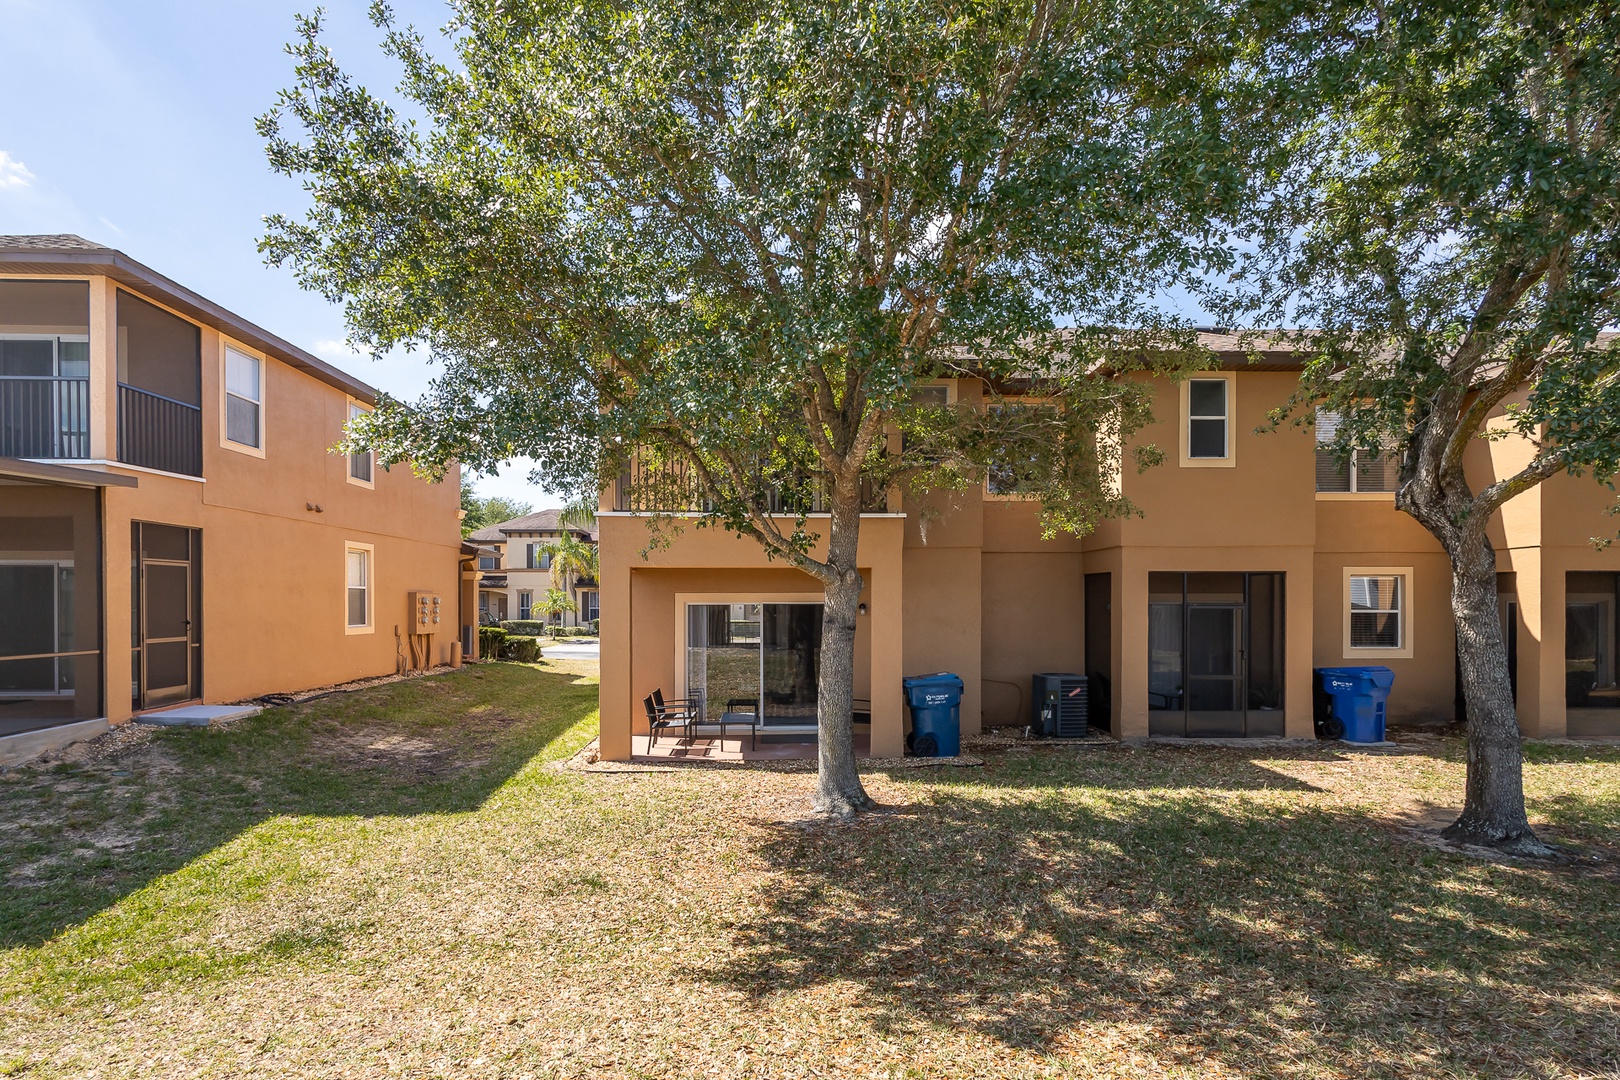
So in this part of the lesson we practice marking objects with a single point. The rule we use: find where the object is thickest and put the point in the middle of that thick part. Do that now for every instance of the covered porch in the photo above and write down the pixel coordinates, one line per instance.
(709, 744)
(709, 625)
(51, 680)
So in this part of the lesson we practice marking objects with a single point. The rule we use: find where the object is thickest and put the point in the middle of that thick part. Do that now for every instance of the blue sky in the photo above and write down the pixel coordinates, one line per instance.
(139, 134)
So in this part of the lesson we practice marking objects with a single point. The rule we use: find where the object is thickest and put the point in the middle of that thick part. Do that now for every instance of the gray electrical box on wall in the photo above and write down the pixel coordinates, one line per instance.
(427, 610)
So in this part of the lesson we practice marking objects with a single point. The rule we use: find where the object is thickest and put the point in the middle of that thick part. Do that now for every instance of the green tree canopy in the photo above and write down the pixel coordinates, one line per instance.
(481, 512)
(719, 245)
(1449, 230)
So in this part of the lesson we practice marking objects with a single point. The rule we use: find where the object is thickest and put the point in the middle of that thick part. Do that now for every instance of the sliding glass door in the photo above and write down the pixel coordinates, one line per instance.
(755, 658)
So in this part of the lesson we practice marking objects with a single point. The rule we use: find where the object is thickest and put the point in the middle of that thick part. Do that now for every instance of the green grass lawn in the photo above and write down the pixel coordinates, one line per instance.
(401, 882)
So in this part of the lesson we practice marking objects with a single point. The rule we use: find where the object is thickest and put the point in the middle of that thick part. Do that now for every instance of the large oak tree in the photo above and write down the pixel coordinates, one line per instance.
(1449, 229)
(715, 247)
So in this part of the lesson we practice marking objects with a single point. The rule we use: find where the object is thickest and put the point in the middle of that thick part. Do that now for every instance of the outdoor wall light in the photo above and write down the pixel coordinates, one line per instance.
(861, 608)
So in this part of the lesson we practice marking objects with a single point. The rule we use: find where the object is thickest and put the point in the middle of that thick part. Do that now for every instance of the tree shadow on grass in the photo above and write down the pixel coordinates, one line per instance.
(1196, 928)
(1116, 767)
(78, 837)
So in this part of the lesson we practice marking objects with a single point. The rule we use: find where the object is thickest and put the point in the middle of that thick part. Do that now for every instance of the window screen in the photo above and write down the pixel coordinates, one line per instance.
(242, 398)
(359, 587)
(1206, 418)
(1375, 612)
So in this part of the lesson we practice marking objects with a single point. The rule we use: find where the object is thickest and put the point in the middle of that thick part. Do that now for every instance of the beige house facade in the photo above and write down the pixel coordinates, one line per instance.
(1257, 558)
(174, 525)
(516, 570)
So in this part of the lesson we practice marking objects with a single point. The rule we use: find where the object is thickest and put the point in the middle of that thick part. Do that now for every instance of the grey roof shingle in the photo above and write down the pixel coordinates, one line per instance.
(539, 521)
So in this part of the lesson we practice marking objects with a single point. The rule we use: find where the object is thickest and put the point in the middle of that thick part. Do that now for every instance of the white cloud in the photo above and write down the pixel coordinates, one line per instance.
(13, 173)
(335, 350)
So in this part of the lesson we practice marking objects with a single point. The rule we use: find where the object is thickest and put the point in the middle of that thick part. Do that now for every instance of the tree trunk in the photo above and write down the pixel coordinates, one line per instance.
(1493, 808)
(838, 785)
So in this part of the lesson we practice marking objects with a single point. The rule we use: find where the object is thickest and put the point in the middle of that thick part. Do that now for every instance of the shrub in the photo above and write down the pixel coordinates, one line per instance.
(489, 642)
(596, 628)
(525, 650)
(524, 627)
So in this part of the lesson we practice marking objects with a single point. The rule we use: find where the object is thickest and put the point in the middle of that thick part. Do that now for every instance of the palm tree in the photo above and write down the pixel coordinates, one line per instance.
(555, 602)
(572, 560)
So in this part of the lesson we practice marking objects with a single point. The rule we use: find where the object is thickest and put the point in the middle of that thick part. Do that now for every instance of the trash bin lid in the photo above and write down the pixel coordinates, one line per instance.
(1371, 675)
(938, 678)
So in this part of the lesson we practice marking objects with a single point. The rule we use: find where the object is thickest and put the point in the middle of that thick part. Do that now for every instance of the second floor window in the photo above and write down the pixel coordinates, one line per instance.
(360, 460)
(489, 562)
(244, 398)
(1206, 418)
(1364, 471)
(538, 560)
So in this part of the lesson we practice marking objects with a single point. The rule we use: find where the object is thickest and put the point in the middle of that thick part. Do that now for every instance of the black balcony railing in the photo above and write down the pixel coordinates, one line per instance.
(156, 432)
(44, 417)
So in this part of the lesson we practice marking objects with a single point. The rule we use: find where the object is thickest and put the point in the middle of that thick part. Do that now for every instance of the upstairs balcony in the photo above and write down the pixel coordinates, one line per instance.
(46, 405)
(666, 488)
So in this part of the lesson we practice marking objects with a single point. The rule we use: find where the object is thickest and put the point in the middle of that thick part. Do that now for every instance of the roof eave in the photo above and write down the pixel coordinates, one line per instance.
(126, 271)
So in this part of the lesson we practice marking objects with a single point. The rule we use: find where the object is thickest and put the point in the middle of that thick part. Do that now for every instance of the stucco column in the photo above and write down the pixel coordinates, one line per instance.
(104, 371)
(1298, 625)
(613, 696)
(1130, 648)
(1540, 583)
(888, 640)
(117, 601)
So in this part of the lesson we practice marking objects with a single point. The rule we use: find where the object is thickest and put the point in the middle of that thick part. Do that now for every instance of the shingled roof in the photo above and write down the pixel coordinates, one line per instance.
(539, 521)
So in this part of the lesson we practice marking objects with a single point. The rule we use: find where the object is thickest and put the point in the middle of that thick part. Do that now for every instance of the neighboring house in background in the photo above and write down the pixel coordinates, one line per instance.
(517, 572)
(1257, 558)
(174, 527)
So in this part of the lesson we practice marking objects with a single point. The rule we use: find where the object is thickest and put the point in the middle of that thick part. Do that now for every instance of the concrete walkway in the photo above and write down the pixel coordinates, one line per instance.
(572, 650)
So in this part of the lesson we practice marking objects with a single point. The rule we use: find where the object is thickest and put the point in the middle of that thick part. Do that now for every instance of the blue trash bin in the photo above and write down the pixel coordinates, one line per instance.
(1358, 695)
(936, 714)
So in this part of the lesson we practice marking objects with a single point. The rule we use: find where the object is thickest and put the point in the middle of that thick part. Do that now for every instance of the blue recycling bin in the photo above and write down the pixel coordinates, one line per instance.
(1358, 695)
(936, 714)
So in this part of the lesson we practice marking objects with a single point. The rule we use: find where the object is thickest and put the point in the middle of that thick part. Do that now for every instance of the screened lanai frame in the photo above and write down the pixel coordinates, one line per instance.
(1215, 601)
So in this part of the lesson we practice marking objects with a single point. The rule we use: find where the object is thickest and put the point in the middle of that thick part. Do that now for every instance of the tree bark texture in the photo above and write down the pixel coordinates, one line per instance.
(1435, 491)
(838, 784)
(1493, 807)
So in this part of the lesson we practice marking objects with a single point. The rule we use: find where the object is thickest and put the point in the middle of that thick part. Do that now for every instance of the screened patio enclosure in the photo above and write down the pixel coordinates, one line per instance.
(50, 607)
(1215, 655)
(760, 658)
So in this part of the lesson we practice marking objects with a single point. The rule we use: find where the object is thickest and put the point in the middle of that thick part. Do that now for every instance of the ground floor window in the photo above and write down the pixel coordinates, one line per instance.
(1377, 613)
(525, 605)
(359, 560)
(755, 658)
(590, 606)
(1215, 654)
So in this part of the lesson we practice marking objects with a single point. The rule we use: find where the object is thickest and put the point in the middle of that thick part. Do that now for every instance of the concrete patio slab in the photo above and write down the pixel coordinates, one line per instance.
(27, 745)
(198, 715)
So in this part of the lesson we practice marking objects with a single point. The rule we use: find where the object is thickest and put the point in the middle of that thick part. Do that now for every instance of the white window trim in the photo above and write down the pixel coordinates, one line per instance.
(371, 587)
(1184, 421)
(1404, 652)
(226, 346)
(352, 404)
